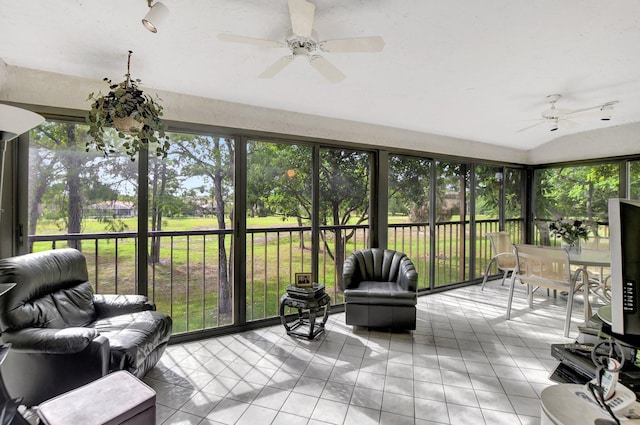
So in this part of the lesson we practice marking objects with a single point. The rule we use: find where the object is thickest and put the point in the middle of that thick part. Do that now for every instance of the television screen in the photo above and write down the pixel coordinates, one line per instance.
(624, 227)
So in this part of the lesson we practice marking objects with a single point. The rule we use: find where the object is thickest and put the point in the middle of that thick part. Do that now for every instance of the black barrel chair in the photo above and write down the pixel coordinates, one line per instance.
(380, 289)
(62, 335)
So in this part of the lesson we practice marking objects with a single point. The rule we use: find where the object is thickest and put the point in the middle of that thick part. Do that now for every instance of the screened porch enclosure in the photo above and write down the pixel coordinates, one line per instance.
(228, 220)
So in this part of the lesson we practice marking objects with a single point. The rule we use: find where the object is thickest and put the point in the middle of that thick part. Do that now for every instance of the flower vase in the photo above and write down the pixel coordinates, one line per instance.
(573, 248)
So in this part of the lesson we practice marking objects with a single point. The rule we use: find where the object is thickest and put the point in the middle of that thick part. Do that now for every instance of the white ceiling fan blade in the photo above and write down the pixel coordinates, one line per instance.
(358, 44)
(328, 71)
(578, 111)
(600, 107)
(249, 40)
(531, 126)
(276, 67)
(588, 114)
(302, 13)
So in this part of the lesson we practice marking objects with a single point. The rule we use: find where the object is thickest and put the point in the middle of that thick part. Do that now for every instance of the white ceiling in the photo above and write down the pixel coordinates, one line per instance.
(470, 69)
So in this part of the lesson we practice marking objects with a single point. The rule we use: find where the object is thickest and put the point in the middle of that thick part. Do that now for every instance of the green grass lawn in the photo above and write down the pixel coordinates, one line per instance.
(50, 227)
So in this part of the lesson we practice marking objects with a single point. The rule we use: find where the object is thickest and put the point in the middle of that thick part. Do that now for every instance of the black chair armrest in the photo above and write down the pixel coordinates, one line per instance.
(114, 305)
(40, 377)
(50, 341)
(350, 273)
(408, 277)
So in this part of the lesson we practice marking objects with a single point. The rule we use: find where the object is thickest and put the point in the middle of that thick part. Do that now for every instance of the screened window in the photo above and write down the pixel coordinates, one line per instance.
(278, 218)
(409, 211)
(574, 192)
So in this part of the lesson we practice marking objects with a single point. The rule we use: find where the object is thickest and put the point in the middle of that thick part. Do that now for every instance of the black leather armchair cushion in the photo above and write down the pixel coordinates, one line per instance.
(134, 338)
(381, 293)
(63, 335)
(380, 289)
(112, 305)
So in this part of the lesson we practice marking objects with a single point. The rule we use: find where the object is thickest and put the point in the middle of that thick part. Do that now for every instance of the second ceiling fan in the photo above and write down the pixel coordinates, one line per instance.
(556, 118)
(301, 43)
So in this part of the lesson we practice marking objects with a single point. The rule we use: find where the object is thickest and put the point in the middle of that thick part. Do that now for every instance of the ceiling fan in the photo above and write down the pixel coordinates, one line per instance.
(302, 43)
(556, 118)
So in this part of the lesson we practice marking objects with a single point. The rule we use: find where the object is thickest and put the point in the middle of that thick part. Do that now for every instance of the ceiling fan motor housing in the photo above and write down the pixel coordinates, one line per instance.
(301, 45)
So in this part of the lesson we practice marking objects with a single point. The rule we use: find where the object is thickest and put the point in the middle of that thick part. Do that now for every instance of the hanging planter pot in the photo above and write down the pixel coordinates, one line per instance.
(127, 125)
(135, 116)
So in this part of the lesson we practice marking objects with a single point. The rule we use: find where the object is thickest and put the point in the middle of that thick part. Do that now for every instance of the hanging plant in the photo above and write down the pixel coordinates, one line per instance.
(135, 116)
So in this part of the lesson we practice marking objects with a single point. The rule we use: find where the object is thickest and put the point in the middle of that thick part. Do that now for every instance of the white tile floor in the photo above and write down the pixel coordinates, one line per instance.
(464, 364)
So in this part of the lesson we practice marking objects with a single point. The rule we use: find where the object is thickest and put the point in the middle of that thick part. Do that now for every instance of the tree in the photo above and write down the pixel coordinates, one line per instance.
(344, 199)
(634, 180)
(513, 193)
(409, 186)
(212, 158)
(43, 174)
(64, 178)
(65, 145)
(164, 179)
(579, 192)
(279, 181)
(279, 177)
(489, 180)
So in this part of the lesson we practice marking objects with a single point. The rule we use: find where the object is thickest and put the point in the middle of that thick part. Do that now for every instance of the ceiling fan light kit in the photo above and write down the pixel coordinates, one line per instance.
(607, 110)
(557, 118)
(302, 43)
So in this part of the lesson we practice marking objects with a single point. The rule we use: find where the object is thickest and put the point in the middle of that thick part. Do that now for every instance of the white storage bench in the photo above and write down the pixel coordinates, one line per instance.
(115, 399)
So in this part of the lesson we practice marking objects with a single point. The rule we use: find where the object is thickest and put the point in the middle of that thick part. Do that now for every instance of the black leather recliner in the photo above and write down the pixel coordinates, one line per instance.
(62, 335)
(380, 289)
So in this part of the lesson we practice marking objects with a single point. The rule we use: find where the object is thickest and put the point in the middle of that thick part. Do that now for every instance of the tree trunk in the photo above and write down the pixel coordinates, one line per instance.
(159, 173)
(36, 194)
(73, 166)
(339, 246)
(589, 203)
(225, 291)
(301, 233)
(340, 256)
(462, 234)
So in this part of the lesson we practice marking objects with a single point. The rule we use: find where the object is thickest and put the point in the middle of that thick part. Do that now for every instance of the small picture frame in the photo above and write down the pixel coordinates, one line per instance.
(303, 280)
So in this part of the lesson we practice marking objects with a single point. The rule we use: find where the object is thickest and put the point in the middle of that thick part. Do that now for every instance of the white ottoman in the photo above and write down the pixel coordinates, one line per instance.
(115, 399)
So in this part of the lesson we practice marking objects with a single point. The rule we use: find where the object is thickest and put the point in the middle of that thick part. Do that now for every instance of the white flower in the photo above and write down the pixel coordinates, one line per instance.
(570, 231)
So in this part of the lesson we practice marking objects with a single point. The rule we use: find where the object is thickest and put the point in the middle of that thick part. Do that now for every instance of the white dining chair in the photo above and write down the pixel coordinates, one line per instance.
(545, 267)
(503, 255)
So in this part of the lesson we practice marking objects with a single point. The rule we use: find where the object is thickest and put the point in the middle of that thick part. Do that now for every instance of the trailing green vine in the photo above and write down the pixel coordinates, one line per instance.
(126, 100)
